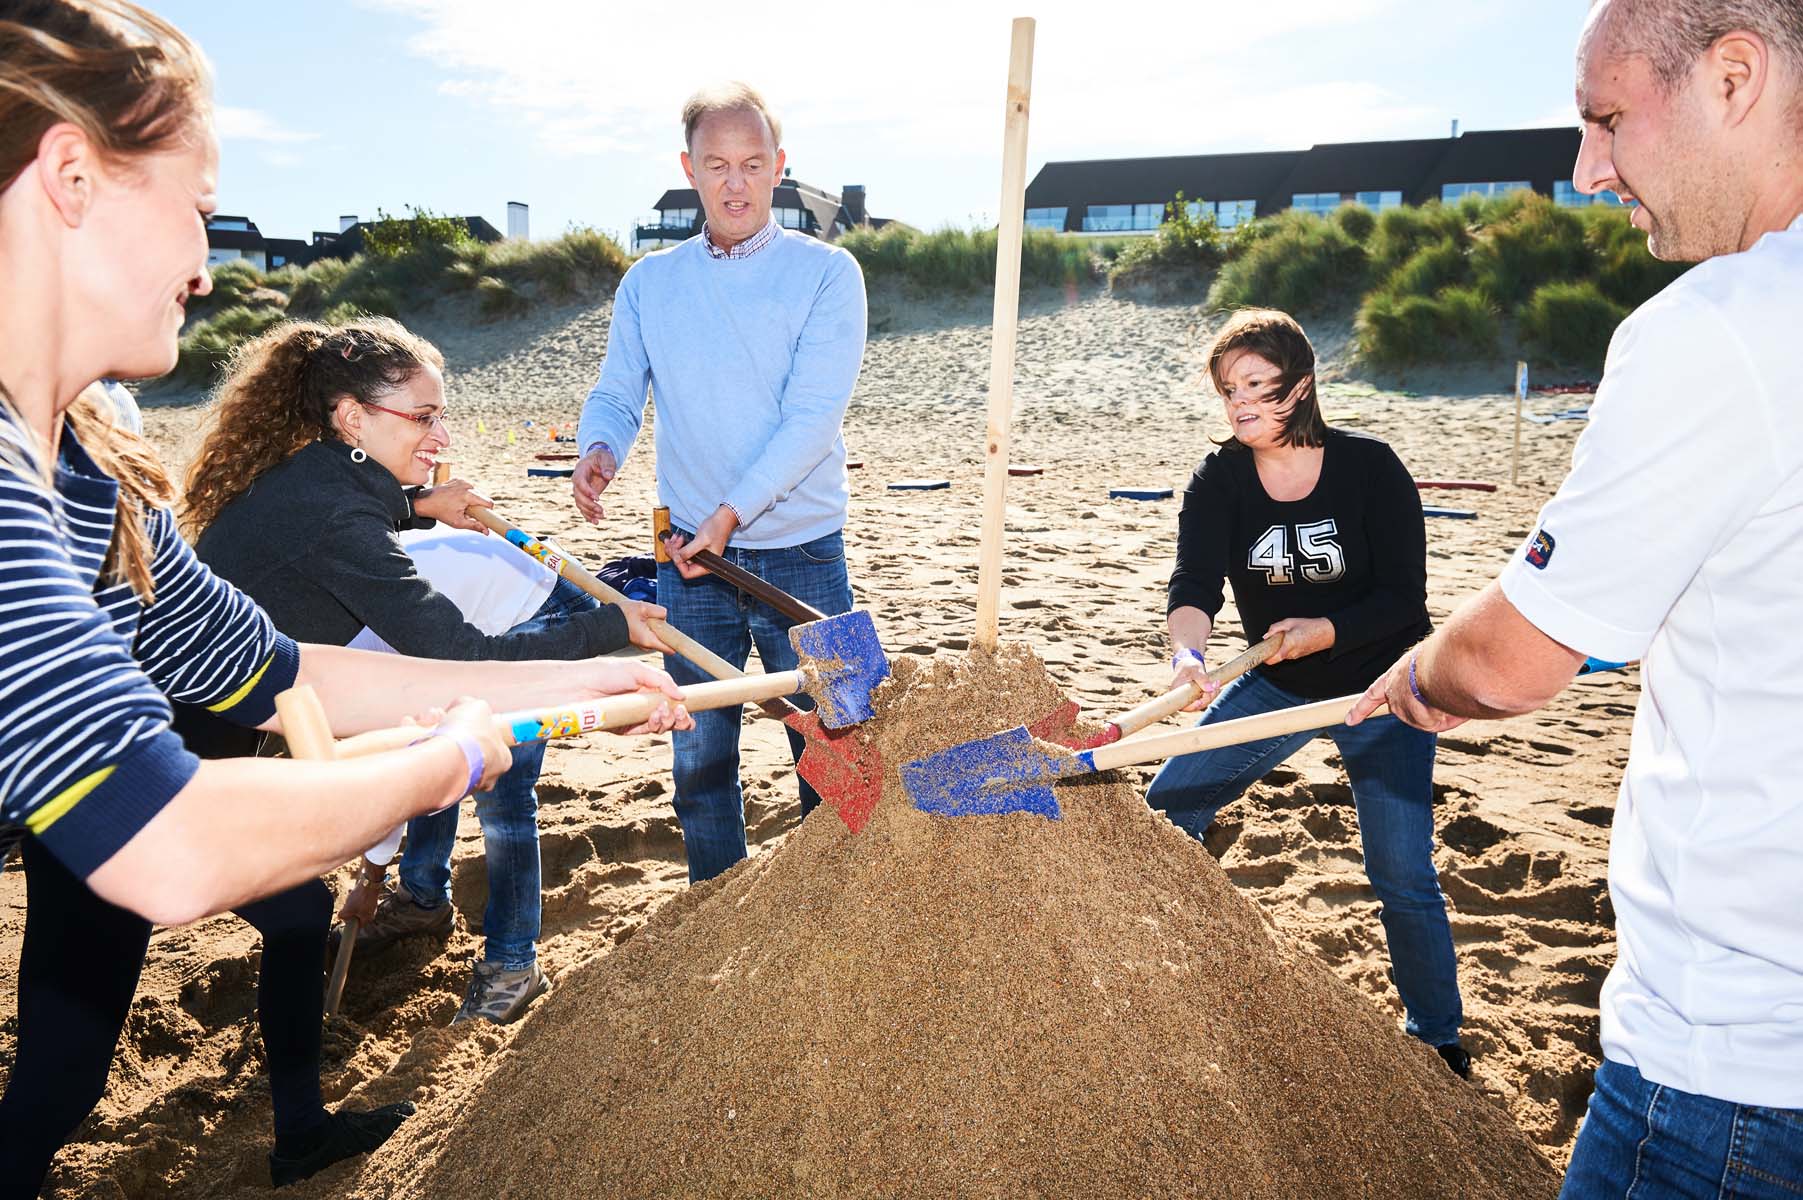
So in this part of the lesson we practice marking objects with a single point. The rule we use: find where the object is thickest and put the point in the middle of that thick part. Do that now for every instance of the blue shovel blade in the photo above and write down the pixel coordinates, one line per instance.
(851, 661)
(1001, 774)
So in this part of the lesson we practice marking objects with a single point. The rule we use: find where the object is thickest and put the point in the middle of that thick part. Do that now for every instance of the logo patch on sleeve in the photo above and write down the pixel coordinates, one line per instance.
(1540, 550)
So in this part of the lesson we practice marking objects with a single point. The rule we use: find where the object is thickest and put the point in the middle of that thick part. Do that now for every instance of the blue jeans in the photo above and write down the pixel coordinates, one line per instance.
(1391, 768)
(509, 816)
(709, 803)
(1644, 1141)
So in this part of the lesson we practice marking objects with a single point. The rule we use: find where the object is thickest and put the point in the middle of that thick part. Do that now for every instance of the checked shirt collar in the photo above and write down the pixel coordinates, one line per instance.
(744, 249)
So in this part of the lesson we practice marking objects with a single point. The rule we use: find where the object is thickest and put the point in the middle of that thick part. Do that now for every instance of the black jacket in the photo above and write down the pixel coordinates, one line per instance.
(314, 542)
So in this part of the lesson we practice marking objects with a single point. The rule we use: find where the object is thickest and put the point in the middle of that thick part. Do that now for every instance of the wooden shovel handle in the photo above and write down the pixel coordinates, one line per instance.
(1300, 719)
(672, 637)
(309, 736)
(759, 589)
(1179, 698)
(588, 716)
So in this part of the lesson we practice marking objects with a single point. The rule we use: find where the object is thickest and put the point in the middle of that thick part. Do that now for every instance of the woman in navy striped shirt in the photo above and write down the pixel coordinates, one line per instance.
(107, 161)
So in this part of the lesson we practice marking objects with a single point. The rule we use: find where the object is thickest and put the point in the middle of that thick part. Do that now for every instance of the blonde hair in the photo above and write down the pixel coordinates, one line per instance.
(280, 394)
(133, 84)
(725, 98)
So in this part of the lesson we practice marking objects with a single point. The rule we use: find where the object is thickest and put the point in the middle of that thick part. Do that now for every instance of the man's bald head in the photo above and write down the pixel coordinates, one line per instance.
(1673, 34)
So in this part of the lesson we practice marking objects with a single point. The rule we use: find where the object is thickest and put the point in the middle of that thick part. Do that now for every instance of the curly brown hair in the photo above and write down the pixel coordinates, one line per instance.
(280, 395)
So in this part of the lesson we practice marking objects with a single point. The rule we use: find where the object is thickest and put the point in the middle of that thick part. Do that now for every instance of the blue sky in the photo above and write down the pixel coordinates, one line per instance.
(340, 106)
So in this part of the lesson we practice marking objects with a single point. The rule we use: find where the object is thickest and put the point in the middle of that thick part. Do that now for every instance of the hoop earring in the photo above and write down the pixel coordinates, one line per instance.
(358, 454)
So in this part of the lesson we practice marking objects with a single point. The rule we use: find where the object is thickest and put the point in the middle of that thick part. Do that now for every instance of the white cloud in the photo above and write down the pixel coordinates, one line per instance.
(587, 78)
(254, 125)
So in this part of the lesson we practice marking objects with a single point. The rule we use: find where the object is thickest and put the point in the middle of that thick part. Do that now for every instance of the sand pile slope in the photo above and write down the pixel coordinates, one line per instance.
(1002, 1005)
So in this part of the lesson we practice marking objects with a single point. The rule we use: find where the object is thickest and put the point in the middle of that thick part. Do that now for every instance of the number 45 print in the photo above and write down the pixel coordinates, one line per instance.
(1324, 560)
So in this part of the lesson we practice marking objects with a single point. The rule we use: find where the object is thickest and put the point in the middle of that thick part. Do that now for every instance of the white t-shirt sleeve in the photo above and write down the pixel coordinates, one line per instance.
(1676, 457)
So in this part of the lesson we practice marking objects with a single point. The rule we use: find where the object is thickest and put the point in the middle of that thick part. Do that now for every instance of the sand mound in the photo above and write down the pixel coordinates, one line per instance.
(974, 1006)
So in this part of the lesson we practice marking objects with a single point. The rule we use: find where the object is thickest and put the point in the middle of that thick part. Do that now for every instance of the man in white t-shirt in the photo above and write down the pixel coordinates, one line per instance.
(1677, 540)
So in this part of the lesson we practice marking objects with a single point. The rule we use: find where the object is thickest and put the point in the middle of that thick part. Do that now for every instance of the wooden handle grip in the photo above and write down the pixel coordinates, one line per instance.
(309, 736)
(758, 588)
(1179, 698)
(588, 716)
(672, 637)
(1300, 719)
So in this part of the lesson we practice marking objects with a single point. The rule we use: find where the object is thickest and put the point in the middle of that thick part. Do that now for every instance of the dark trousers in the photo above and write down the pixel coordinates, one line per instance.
(78, 968)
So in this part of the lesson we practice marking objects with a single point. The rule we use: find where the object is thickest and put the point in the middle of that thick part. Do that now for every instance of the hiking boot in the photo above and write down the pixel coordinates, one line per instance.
(1457, 1060)
(501, 996)
(344, 1134)
(399, 915)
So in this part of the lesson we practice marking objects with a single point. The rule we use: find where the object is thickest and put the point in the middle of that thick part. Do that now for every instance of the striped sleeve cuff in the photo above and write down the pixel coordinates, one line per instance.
(88, 822)
(253, 702)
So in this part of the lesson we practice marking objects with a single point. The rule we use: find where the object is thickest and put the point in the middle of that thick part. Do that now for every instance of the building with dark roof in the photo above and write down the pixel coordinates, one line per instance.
(1128, 195)
(230, 239)
(794, 205)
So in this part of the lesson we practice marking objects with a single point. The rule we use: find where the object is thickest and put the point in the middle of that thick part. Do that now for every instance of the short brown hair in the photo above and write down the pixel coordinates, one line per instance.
(1672, 34)
(725, 98)
(1276, 337)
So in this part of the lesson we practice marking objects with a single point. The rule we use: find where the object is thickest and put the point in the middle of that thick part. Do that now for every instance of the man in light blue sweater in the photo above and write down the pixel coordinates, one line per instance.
(750, 338)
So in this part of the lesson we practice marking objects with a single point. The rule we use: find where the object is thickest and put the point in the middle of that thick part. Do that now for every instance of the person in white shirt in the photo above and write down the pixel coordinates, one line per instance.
(1677, 539)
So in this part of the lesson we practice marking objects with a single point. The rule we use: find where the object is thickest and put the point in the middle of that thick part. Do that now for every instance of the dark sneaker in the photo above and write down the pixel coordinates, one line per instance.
(1455, 1058)
(399, 915)
(501, 996)
(345, 1134)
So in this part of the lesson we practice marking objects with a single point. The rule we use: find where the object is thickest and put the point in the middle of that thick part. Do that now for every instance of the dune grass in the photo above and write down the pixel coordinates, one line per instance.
(964, 259)
(506, 278)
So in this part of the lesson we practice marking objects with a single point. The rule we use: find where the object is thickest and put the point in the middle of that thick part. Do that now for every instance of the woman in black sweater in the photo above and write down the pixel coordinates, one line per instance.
(1321, 536)
(298, 495)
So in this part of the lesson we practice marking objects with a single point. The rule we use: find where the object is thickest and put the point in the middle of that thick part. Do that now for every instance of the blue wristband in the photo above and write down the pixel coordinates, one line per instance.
(1186, 657)
(1414, 687)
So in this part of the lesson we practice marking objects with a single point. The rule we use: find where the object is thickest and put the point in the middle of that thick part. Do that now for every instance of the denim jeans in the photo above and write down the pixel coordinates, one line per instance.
(1391, 768)
(1644, 1141)
(709, 804)
(508, 813)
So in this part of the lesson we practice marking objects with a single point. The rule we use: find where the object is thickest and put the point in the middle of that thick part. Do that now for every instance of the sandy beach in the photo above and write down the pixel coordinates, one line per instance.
(1109, 393)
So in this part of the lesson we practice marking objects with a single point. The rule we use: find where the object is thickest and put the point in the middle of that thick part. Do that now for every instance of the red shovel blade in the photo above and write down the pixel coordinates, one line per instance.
(1060, 727)
(846, 770)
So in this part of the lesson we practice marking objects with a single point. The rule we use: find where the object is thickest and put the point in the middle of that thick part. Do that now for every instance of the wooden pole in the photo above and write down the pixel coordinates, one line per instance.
(1011, 221)
(309, 736)
(1521, 391)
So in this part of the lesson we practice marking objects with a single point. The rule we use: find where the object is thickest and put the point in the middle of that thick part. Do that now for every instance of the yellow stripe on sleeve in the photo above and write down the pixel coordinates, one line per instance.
(46, 815)
(249, 685)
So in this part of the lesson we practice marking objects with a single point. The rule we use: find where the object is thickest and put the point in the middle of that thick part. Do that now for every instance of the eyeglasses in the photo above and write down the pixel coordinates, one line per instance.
(425, 420)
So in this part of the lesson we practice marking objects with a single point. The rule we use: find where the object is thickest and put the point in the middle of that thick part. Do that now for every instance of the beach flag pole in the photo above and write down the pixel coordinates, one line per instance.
(1521, 394)
(1012, 219)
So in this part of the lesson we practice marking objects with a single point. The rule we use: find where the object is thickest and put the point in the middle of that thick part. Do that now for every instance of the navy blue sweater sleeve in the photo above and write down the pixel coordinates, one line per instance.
(1204, 529)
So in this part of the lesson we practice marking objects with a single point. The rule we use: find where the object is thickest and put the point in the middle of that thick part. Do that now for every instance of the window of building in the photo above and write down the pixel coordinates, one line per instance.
(1378, 201)
(677, 218)
(1229, 213)
(238, 223)
(1108, 218)
(1567, 196)
(792, 218)
(1453, 191)
(1315, 202)
(1047, 218)
(1148, 216)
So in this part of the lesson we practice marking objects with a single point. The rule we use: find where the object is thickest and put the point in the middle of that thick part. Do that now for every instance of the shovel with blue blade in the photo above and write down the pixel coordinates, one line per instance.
(1014, 771)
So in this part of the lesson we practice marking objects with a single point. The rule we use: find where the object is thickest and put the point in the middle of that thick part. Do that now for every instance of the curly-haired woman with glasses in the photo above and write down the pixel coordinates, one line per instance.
(314, 462)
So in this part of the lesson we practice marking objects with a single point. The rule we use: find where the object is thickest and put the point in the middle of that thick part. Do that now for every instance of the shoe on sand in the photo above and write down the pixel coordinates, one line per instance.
(501, 996)
(1457, 1059)
(399, 915)
(345, 1134)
